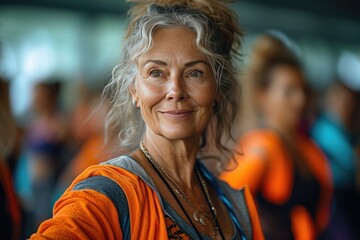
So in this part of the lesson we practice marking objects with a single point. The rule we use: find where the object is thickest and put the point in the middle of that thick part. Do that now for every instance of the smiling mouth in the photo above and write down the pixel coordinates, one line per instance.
(177, 113)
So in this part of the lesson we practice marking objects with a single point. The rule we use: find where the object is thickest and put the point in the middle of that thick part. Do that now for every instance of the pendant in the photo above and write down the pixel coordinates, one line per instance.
(215, 229)
(200, 219)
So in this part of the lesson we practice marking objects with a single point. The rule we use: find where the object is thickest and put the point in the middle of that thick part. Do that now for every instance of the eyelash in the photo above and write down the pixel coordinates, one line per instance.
(160, 74)
(157, 72)
(195, 71)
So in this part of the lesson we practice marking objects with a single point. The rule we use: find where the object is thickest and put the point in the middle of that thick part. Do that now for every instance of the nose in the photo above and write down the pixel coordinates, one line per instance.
(176, 88)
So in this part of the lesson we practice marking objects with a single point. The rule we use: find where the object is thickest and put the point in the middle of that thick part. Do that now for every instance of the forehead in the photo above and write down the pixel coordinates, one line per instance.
(285, 71)
(173, 43)
(286, 75)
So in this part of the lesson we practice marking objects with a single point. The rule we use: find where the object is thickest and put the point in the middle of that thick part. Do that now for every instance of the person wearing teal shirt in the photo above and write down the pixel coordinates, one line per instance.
(335, 133)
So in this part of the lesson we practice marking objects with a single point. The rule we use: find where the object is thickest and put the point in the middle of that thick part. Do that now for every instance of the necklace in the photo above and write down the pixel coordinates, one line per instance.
(198, 215)
(205, 189)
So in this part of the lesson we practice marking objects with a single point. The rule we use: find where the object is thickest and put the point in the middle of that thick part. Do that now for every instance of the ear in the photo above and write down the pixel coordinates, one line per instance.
(133, 94)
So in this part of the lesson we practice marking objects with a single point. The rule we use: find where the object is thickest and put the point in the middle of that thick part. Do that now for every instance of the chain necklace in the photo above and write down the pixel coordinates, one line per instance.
(205, 189)
(198, 215)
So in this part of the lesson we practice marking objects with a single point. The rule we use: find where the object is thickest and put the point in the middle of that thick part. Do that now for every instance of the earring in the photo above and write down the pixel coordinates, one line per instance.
(134, 103)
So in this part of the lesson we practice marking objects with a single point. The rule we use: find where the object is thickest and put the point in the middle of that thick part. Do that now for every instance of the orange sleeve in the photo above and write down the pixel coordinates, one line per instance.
(248, 168)
(255, 221)
(81, 214)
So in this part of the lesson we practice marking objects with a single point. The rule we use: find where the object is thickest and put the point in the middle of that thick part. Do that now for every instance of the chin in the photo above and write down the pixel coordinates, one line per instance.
(178, 134)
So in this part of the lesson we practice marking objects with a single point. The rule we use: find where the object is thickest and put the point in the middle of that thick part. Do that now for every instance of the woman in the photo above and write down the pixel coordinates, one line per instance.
(284, 169)
(44, 142)
(175, 76)
(335, 134)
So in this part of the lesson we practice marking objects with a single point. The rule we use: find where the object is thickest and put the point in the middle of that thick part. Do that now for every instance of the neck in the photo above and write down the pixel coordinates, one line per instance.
(176, 157)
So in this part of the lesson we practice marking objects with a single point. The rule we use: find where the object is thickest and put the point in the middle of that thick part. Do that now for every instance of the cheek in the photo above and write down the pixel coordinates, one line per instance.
(205, 99)
(148, 95)
(276, 100)
(203, 94)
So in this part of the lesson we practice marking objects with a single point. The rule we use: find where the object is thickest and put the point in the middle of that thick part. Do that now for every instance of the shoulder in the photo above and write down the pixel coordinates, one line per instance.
(115, 168)
(107, 187)
(121, 175)
(260, 136)
(245, 209)
(108, 178)
(262, 142)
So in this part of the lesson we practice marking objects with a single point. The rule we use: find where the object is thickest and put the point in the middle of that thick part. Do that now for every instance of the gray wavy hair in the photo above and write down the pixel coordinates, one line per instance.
(217, 37)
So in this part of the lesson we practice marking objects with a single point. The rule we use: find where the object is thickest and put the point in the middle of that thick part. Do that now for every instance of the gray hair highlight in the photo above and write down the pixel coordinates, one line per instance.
(125, 120)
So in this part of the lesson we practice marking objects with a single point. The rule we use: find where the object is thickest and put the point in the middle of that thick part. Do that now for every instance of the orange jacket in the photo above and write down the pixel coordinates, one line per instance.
(91, 213)
(264, 165)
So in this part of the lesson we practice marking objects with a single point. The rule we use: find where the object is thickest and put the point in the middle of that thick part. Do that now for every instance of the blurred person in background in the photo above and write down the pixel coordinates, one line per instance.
(335, 132)
(285, 170)
(87, 120)
(10, 209)
(45, 136)
(266, 46)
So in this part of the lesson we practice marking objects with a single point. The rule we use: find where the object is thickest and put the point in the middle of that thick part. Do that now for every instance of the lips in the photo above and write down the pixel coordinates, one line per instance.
(176, 114)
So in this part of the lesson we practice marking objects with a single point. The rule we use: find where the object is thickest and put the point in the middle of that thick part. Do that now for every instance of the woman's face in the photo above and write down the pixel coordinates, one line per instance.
(284, 99)
(175, 87)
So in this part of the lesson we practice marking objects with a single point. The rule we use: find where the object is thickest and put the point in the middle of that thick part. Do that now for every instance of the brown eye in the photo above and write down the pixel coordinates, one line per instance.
(156, 74)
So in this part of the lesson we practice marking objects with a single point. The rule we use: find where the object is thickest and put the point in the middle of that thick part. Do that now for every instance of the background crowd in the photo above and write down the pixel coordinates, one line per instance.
(293, 110)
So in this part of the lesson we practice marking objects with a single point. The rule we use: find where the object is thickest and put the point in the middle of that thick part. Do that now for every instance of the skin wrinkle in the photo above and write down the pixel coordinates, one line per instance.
(174, 142)
(139, 40)
(174, 53)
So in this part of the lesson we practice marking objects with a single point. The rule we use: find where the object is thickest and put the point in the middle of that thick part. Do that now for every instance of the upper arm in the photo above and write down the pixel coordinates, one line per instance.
(248, 168)
(83, 213)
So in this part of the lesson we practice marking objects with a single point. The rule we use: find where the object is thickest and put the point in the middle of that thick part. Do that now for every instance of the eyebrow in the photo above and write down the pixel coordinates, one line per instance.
(188, 64)
(158, 62)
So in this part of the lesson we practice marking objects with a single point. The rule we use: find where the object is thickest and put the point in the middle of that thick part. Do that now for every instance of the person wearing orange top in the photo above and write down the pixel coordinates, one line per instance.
(285, 170)
(118, 200)
(175, 79)
(90, 119)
